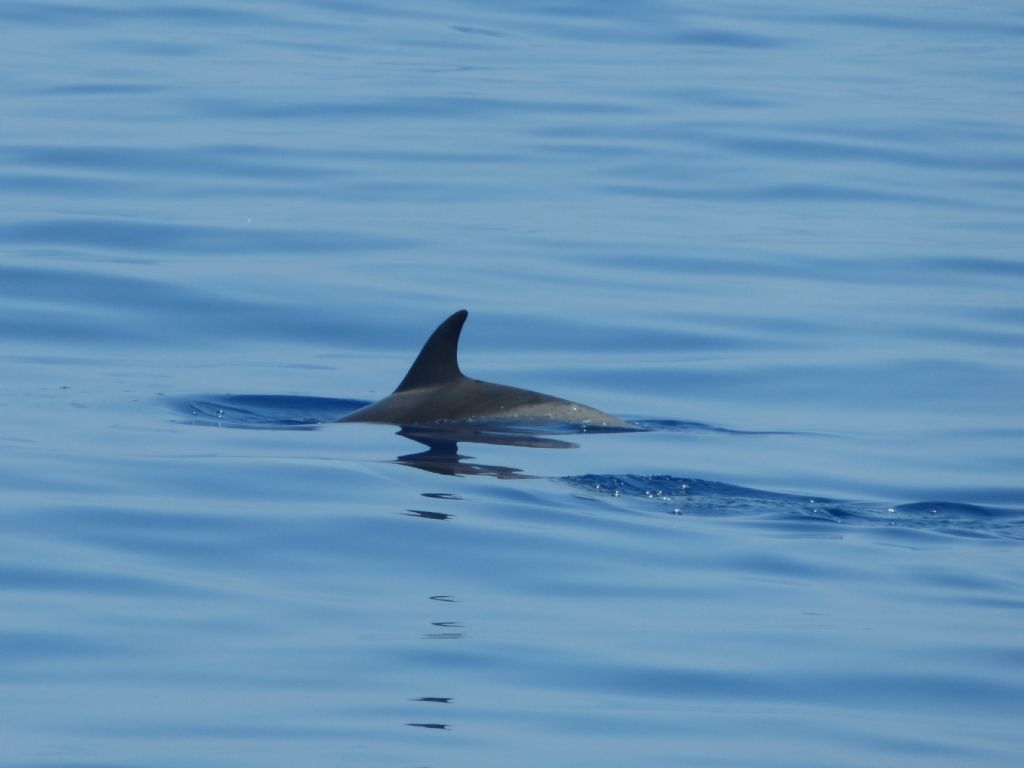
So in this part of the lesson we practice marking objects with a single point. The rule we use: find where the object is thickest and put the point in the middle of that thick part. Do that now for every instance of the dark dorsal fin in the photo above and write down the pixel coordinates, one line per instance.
(438, 361)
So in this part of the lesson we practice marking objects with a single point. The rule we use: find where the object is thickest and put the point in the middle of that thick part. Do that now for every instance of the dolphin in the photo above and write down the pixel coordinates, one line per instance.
(435, 391)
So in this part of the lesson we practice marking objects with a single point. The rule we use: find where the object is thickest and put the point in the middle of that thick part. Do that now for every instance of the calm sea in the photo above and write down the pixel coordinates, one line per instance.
(787, 237)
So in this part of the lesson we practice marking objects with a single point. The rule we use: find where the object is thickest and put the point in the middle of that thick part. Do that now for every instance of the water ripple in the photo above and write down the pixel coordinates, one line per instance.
(689, 496)
(152, 237)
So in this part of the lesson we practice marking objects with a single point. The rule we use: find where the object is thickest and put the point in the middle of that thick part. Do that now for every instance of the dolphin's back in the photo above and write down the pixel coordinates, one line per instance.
(435, 390)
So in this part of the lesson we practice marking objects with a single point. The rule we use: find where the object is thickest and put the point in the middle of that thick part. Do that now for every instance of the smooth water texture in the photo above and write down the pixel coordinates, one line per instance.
(784, 238)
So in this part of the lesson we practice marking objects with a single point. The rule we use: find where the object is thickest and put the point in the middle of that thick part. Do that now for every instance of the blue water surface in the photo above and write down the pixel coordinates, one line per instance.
(783, 238)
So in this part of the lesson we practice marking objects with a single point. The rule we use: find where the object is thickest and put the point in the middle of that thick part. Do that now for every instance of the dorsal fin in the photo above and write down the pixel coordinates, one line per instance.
(438, 361)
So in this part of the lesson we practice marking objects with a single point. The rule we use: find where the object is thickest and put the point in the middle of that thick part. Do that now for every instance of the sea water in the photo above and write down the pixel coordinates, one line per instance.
(786, 238)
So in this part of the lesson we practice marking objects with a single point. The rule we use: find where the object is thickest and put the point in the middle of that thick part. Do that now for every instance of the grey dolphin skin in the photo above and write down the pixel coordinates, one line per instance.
(435, 391)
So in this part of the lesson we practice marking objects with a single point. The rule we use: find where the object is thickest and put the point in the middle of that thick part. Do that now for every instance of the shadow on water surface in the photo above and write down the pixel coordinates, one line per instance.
(442, 455)
(664, 493)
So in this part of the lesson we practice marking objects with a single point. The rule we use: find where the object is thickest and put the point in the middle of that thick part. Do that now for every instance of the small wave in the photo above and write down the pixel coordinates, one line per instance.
(298, 412)
(959, 518)
(676, 425)
(265, 411)
(690, 496)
